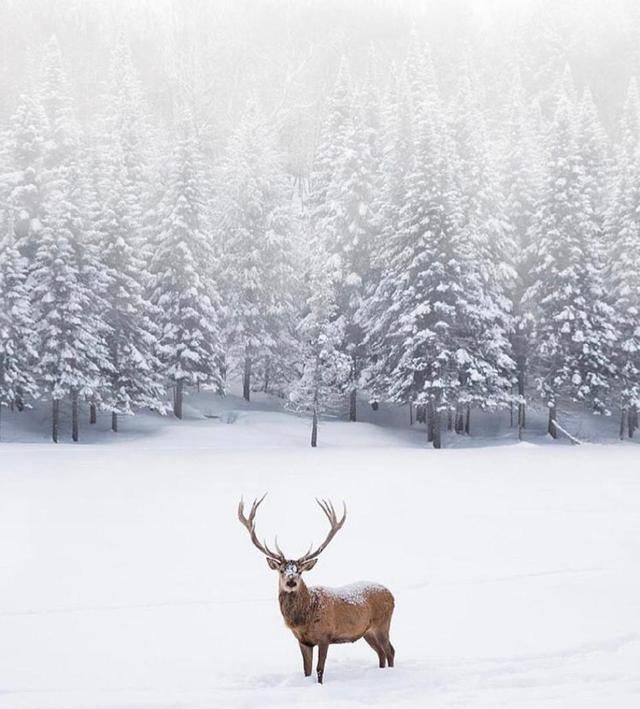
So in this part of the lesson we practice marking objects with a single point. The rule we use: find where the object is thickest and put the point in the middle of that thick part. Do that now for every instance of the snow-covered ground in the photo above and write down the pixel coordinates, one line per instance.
(126, 581)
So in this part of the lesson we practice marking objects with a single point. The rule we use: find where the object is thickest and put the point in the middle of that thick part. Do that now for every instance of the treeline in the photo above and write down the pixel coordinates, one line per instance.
(434, 252)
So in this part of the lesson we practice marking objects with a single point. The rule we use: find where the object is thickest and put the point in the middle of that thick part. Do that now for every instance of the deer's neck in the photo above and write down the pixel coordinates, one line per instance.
(296, 607)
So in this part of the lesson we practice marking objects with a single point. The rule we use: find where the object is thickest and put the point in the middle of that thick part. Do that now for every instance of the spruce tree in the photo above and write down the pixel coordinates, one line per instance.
(522, 175)
(325, 368)
(622, 230)
(117, 190)
(184, 292)
(25, 153)
(134, 373)
(17, 329)
(343, 222)
(71, 332)
(258, 255)
(574, 324)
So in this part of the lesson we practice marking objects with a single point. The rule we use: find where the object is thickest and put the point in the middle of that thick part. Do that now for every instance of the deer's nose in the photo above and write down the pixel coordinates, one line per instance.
(291, 583)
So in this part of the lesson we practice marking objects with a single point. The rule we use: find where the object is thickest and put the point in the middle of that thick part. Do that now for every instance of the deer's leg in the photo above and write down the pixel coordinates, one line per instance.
(389, 649)
(373, 642)
(322, 657)
(307, 658)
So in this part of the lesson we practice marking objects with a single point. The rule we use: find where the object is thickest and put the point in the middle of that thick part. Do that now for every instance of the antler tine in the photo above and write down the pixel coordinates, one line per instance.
(278, 549)
(249, 523)
(327, 507)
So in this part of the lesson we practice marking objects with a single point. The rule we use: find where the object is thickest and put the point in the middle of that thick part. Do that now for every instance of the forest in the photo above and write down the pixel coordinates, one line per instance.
(424, 203)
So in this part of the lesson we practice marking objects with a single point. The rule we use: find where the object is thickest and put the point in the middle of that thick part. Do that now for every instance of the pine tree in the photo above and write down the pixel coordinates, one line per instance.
(25, 163)
(522, 180)
(134, 372)
(71, 336)
(257, 244)
(623, 279)
(485, 227)
(574, 328)
(71, 332)
(630, 123)
(432, 329)
(117, 193)
(325, 368)
(17, 330)
(185, 294)
(342, 198)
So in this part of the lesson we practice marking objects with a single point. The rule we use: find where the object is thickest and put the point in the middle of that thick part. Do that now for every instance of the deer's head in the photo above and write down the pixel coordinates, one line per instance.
(290, 570)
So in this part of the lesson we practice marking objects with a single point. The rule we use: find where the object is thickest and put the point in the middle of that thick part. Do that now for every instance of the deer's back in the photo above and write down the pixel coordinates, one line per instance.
(351, 611)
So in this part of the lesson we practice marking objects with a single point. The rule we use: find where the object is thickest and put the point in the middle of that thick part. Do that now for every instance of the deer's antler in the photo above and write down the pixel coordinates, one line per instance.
(250, 524)
(327, 507)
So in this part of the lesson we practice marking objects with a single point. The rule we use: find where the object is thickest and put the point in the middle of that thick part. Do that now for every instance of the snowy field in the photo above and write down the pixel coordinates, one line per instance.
(126, 581)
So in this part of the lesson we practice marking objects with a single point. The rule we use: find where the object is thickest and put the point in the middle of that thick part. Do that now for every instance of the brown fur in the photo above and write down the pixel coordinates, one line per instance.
(321, 617)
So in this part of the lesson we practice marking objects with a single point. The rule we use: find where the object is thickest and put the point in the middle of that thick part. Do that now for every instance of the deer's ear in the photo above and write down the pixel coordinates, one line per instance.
(308, 565)
(273, 564)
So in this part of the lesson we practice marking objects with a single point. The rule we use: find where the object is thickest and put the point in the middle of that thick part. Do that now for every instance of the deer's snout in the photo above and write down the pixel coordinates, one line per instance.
(291, 583)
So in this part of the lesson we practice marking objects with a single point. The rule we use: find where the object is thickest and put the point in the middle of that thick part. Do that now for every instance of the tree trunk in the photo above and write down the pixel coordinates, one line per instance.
(74, 416)
(450, 421)
(314, 428)
(267, 373)
(623, 416)
(436, 426)
(467, 421)
(411, 413)
(246, 378)
(459, 419)
(522, 369)
(114, 421)
(632, 420)
(177, 406)
(552, 430)
(353, 408)
(55, 419)
(93, 415)
(430, 416)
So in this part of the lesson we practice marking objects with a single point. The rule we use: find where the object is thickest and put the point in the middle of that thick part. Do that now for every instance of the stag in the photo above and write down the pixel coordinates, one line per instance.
(320, 616)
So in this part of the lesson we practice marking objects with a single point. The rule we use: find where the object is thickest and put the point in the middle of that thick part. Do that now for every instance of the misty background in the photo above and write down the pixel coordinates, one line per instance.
(420, 203)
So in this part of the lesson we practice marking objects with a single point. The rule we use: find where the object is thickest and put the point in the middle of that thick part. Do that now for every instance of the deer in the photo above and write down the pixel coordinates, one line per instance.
(320, 616)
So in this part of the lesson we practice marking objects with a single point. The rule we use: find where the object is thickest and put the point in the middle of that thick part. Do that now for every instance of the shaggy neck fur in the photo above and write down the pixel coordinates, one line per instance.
(296, 606)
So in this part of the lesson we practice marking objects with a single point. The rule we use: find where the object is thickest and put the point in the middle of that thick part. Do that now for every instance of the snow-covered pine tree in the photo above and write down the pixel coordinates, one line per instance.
(594, 153)
(127, 128)
(71, 332)
(342, 216)
(17, 329)
(630, 123)
(257, 240)
(116, 191)
(325, 368)
(622, 229)
(522, 175)
(185, 293)
(134, 375)
(431, 328)
(396, 161)
(25, 162)
(574, 324)
(491, 240)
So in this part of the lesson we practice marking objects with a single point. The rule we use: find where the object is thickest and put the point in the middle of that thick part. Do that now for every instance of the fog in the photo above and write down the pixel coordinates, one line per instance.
(338, 203)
